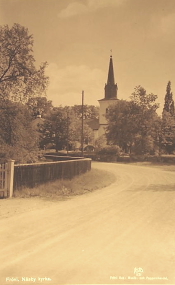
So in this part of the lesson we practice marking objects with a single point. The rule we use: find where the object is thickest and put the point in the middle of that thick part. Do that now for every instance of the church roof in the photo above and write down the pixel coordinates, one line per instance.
(111, 79)
(111, 88)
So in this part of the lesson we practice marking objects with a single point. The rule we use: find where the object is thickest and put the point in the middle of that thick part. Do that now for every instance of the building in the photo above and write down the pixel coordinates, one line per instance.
(110, 97)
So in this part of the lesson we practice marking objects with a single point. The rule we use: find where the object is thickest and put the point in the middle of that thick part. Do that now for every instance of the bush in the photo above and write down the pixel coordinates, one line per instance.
(20, 155)
(101, 142)
(110, 150)
(137, 157)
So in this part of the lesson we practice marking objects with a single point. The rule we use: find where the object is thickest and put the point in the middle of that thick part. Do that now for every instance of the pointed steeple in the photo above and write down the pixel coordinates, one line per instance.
(111, 88)
(111, 72)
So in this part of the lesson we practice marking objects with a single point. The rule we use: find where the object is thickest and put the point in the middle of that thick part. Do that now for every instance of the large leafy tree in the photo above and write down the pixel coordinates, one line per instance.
(122, 124)
(168, 122)
(62, 127)
(169, 102)
(39, 105)
(19, 77)
(54, 129)
(133, 125)
(149, 123)
(18, 140)
(144, 100)
(20, 80)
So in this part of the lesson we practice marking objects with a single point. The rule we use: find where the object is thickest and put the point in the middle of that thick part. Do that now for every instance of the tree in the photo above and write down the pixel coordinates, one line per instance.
(133, 125)
(17, 138)
(101, 142)
(19, 78)
(168, 122)
(122, 124)
(168, 133)
(54, 129)
(75, 132)
(90, 111)
(62, 127)
(169, 102)
(39, 105)
(149, 122)
(144, 100)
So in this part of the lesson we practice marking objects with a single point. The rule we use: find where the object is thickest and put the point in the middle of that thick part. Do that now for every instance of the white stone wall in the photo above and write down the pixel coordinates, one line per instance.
(101, 130)
(104, 104)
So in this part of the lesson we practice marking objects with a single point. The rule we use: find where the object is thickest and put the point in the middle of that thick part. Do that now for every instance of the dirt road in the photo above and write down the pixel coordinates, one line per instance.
(121, 234)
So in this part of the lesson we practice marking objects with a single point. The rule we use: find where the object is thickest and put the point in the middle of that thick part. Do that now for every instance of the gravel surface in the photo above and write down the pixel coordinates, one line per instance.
(121, 234)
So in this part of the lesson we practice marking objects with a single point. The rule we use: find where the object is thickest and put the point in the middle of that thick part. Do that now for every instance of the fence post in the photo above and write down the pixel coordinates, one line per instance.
(10, 175)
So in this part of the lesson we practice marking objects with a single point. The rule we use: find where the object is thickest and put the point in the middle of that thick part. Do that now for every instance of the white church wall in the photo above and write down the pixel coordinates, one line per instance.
(104, 105)
(102, 130)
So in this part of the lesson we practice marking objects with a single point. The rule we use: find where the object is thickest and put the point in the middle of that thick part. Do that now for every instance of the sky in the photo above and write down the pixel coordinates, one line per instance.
(76, 37)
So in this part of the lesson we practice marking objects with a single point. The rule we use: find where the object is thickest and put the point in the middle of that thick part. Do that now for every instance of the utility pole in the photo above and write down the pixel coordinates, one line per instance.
(82, 128)
(67, 142)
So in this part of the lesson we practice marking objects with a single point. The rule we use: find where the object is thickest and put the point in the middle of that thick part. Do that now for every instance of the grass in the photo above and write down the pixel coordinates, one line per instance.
(161, 165)
(88, 182)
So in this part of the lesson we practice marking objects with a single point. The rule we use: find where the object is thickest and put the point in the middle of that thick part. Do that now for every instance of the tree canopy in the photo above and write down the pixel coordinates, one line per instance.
(144, 100)
(18, 140)
(168, 122)
(133, 125)
(62, 127)
(90, 111)
(169, 102)
(20, 80)
(39, 105)
(19, 77)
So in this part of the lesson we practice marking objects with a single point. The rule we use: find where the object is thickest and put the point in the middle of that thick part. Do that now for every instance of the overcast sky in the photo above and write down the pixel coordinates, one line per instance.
(75, 37)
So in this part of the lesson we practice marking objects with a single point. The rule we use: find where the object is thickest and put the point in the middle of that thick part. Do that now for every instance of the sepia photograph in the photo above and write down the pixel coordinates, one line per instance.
(87, 142)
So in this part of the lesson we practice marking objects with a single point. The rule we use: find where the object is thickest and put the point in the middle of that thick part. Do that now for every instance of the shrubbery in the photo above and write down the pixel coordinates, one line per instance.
(109, 150)
(20, 155)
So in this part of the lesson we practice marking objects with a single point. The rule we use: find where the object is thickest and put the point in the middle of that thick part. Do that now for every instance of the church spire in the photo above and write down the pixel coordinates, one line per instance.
(111, 72)
(111, 88)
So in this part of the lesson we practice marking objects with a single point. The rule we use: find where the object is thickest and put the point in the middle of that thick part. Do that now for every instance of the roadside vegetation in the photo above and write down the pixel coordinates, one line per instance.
(162, 166)
(136, 127)
(88, 182)
(30, 123)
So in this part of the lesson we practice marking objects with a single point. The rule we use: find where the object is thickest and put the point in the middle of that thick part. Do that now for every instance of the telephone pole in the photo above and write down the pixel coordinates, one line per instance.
(82, 127)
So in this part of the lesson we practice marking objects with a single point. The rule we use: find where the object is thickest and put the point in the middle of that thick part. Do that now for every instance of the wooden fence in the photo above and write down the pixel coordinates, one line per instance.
(3, 178)
(31, 175)
(6, 179)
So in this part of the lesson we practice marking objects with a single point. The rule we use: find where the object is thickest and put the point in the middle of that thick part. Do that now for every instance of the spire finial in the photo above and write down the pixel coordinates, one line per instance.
(111, 52)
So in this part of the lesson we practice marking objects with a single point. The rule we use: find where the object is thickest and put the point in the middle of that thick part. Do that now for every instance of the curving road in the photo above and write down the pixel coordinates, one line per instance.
(122, 234)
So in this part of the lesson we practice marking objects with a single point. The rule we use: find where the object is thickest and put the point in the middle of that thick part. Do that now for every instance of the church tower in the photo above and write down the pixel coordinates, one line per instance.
(109, 98)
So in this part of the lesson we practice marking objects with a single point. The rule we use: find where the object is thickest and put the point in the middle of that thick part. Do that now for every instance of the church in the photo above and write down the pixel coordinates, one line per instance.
(110, 97)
